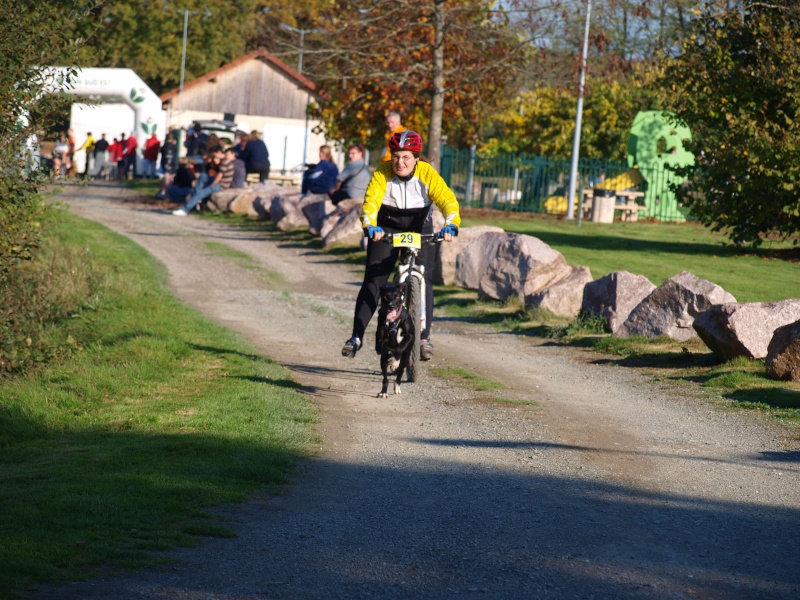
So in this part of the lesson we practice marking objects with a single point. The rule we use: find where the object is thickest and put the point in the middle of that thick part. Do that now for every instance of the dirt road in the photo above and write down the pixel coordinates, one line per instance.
(610, 486)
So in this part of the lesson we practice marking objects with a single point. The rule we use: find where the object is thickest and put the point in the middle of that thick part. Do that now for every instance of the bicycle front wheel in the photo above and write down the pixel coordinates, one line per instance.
(414, 301)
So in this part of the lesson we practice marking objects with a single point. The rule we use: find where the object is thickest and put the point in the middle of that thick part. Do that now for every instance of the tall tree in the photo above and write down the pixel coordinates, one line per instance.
(542, 121)
(31, 39)
(147, 36)
(736, 86)
(442, 65)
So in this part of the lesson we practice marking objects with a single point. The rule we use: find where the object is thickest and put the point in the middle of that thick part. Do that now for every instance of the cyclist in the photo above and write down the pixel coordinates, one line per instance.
(400, 197)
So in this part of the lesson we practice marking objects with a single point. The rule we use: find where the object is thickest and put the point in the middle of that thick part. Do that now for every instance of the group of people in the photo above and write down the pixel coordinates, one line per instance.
(103, 159)
(213, 164)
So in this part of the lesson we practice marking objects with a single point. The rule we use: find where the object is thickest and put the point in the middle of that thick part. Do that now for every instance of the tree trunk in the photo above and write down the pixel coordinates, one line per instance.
(437, 102)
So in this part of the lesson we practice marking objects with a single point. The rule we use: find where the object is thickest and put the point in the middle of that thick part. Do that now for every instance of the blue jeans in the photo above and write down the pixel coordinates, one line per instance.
(178, 194)
(202, 191)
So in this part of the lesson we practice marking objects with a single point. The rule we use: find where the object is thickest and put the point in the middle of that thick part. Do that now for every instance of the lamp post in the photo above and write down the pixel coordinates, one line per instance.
(576, 143)
(302, 33)
(206, 13)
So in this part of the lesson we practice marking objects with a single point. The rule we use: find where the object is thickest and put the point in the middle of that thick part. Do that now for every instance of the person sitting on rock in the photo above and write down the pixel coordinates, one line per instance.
(352, 182)
(206, 186)
(320, 178)
(182, 185)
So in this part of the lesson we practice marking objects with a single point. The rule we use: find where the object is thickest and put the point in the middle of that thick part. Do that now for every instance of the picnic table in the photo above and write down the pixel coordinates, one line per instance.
(626, 202)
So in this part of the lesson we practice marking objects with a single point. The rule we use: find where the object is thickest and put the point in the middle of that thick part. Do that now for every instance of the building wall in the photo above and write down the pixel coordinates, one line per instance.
(251, 88)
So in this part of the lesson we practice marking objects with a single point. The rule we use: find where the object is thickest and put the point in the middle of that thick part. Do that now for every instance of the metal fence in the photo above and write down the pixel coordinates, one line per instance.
(526, 183)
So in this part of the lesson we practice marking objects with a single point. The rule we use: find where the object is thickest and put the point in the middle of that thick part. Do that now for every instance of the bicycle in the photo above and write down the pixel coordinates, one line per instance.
(411, 275)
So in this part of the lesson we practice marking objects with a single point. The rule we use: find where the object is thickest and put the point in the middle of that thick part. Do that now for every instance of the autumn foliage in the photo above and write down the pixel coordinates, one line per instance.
(381, 59)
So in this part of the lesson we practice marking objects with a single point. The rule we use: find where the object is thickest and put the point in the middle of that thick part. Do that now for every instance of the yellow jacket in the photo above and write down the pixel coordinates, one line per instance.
(425, 187)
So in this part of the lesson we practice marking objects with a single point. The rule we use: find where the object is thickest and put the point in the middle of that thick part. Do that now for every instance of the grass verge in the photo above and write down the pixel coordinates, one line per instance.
(660, 250)
(118, 450)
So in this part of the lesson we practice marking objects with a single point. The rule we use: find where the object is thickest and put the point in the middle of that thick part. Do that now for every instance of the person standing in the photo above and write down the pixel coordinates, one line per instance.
(129, 157)
(116, 150)
(255, 156)
(101, 157)
(88, 147)
(168, 153)
(353, 180)
(151, 149)
(393, 126)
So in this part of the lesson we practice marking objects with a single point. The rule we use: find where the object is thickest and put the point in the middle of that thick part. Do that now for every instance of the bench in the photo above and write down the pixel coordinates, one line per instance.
(282, 180)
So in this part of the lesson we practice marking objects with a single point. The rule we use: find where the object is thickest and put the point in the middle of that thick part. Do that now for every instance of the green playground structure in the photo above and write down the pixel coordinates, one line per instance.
(654, 146)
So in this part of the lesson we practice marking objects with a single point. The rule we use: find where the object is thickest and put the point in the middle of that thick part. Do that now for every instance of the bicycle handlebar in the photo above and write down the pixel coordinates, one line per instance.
(427, 238)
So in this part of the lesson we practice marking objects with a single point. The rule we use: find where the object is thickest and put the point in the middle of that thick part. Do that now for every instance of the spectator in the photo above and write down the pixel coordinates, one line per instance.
(394, 126)
(196, 142)
(123, 143)
(182, 185)
(239, 170)
(88, 147)
(206, 185)
(353, 180)
(70, 161)
(151, 149)
(116, 157)
(61, 156)
(129, 156)
(241, 143)
(101, 157)
(255, 155)
(168, 152)
(320, 178)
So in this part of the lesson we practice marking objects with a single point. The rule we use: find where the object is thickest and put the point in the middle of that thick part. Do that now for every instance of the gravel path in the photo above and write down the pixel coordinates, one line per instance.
(609, 486)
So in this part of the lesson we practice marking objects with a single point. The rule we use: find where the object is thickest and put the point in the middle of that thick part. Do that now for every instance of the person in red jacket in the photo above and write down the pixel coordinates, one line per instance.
(129, 155)
(151, 148)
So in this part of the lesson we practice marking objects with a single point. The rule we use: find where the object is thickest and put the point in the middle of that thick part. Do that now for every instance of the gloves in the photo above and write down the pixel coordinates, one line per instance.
(373, 230)
(451, 229)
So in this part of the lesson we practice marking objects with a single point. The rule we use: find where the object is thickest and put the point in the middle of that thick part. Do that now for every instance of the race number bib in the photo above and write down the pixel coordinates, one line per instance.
(407, 240)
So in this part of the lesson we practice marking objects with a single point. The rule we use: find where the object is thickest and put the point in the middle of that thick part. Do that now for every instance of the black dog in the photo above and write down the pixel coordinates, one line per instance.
(395, 336)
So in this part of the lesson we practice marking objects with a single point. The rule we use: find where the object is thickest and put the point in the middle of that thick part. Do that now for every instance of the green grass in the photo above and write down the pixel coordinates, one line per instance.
(660, 250)
(245, 261)
(147, 187)
(158, 414)
(512, 401)
(466, 379)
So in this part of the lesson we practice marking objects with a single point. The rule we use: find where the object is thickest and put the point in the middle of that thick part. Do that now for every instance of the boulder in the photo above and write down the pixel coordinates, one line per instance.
(783, 353)
(219, 201)
(472, 261)
(672, 307)
(346, 230)
(445, 267)
(316, 207)
(341, 209)
(522, 266)
(615, 296)
(285, 212)
(565, 296)
(732, 330)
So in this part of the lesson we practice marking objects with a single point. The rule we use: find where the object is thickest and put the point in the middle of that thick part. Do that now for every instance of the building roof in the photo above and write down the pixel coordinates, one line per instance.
(262, 54)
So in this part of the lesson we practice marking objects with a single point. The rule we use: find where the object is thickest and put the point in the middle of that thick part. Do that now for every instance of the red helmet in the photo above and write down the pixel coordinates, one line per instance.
(406, 140)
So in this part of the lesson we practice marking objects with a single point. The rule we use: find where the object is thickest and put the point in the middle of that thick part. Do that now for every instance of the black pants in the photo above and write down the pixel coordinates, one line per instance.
(381, 259)
(338, 196)
(261, 168)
